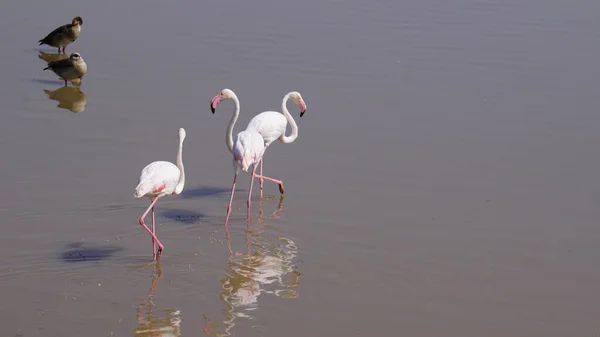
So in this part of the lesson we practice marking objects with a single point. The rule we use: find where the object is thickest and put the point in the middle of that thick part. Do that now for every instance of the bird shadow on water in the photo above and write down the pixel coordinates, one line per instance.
(80, 252)
(52, 82)
(183, 215)
(206, 191)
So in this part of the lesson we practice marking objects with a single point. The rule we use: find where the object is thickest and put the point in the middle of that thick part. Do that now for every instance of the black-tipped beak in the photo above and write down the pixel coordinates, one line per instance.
(212, 109)
(302, 113)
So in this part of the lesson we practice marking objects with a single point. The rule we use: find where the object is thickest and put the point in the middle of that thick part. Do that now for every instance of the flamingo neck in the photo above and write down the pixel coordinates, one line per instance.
(292, 137)
(181, 182)
(229, 132)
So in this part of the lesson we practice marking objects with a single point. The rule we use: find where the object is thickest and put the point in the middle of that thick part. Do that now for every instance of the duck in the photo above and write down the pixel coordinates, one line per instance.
(69, 69)
(63, 35)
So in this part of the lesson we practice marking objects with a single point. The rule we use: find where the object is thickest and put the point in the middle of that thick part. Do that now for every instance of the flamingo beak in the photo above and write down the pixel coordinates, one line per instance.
(302, 109)
(214, 102)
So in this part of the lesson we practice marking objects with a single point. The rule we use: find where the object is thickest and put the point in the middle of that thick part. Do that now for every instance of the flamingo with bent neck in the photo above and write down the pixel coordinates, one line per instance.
(159, 179)
(247, 148)
(271, 125)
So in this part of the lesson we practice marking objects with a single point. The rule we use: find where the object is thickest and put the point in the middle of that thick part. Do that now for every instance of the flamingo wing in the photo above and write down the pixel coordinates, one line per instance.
(248, 149)
(158, 178)
(270, 124)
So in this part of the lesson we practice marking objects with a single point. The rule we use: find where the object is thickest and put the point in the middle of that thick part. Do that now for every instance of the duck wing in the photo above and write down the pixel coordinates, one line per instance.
(59, 64)
(62, 30)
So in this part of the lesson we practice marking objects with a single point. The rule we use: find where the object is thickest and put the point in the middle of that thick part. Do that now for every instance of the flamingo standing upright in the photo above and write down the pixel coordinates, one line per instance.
(159, 179)
(271, 125)
(247, 149)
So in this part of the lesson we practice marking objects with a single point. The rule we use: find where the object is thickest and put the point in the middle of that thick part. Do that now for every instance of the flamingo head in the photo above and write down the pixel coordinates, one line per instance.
(297, 98)
(224, 94)
(182, 134)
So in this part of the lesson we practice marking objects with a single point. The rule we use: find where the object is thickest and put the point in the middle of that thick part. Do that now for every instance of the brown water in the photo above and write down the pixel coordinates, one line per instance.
(444, 182)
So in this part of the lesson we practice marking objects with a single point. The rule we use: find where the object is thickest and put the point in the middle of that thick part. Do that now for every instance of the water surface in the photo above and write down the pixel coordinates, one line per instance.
(444, 181)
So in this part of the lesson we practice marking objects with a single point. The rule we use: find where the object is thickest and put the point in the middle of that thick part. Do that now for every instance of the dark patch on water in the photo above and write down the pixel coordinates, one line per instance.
(78, 252)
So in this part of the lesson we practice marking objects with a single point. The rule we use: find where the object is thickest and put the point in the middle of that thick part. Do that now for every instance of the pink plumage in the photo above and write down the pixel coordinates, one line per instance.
(159, 179)
(247, 150)
(272, 125)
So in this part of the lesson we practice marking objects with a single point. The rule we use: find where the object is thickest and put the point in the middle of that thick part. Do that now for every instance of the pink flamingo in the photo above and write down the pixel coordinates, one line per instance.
(159, 179)
(271, 125)
(247, 149)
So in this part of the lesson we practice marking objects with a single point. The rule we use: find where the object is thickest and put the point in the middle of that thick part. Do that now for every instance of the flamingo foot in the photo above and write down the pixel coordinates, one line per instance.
(279, 182)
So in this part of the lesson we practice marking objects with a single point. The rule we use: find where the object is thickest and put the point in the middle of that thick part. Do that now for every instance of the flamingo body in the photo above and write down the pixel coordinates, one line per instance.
(158, 179)
(248, 149)
(270, 124)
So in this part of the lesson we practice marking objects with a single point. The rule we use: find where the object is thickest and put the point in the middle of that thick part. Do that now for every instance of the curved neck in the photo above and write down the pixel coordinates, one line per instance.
(290, 119)
(181, 182)
(229, 132)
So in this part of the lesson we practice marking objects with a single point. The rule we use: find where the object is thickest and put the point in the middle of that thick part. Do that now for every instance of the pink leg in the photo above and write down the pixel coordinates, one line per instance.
(230, 201)
(273, 180)
(160, 245)
(250, 190)
(153, 231)
(261, 180)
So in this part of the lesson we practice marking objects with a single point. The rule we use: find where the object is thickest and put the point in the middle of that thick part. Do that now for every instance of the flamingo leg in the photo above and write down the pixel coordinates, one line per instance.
(230, 201)
(261, 180)
(250, 190)
(160, 245)
(279, 182)
(153, 231)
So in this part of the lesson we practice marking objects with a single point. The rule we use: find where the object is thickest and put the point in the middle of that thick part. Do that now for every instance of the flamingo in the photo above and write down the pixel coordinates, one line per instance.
(247, 149)
(159, 179)
(272, 124)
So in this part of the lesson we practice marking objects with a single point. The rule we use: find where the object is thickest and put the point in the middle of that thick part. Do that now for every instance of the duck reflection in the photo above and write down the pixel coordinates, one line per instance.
(50, 57)
(265, 268)
(149, 325)
(69, 98)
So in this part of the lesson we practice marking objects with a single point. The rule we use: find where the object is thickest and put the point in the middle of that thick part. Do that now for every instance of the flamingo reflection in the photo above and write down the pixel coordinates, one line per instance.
(149, 325)
(266, 267)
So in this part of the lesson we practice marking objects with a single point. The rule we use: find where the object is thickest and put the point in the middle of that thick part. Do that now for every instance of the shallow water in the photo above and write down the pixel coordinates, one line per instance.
(444, 181)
